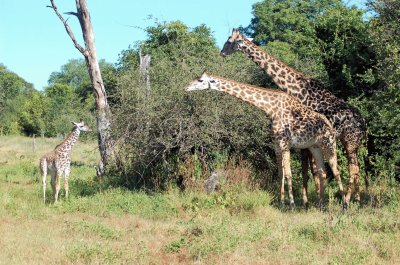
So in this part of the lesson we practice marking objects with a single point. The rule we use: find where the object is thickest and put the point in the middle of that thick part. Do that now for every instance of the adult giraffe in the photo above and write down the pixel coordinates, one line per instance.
(293, 126)
(349, 125)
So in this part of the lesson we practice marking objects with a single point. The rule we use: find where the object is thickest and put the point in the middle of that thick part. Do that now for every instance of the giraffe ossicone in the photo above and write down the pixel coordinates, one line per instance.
(58, 162)
(293, 125)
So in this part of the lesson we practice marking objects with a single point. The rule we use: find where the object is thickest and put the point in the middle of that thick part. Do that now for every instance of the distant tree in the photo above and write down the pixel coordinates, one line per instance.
(346, 49)
(33, 109)
(13, 89)
(63, 107)
(286, 29)
(75, 74)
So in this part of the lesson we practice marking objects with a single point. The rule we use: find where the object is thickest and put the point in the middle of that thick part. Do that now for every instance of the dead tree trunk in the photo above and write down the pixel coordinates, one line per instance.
(144, 67)
(89, 52)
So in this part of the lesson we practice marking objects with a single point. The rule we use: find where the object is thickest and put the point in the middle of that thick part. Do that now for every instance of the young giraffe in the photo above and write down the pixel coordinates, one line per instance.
(58, 162)
(349, 125)
(293, 126)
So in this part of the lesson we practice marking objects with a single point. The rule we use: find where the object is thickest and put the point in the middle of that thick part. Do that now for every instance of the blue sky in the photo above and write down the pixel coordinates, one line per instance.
(34, 43)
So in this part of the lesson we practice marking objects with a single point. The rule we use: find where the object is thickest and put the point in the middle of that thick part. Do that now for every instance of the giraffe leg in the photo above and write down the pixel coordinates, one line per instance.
(43, 171)
(314, 170)
(287, 173)
(304, 166)
(57, 184)
(332, 159)
(320, 169)
(278, 153)
(53, 183)
(66, 175)
(354, 170)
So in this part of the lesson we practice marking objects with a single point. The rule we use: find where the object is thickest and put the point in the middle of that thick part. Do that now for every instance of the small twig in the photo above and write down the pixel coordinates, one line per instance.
(68, 29)
(71, 13)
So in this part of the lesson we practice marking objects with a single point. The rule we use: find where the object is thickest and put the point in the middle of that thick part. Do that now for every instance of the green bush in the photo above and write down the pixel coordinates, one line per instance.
(162, 129)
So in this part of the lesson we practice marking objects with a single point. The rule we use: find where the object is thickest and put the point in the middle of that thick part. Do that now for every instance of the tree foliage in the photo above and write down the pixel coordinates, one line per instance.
(160, 131)
(74, 74)
(14, 91)
(64, 106)
(288, 25)
(346, 49)
(382, 106)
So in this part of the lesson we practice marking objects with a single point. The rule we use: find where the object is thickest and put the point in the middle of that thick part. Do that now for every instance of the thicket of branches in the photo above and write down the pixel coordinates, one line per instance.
(168, 133)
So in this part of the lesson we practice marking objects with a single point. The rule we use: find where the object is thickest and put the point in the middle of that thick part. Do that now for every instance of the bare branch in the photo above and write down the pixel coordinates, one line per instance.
(71, 13)
(68, 29)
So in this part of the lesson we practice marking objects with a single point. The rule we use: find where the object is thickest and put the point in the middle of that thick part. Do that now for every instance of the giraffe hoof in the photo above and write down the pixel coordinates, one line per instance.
(291, 206)
(345, 206)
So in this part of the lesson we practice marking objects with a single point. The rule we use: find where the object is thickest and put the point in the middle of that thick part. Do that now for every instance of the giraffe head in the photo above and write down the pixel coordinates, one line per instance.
(81, 126)
(234, 43)
(203, 82)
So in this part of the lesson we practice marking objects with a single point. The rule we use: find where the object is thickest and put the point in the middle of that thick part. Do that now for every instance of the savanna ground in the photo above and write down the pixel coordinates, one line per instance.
(101, 224)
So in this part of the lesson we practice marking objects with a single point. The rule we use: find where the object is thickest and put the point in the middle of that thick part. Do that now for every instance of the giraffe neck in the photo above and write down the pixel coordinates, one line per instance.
(288, 79)
(268, 100)
(69, 141)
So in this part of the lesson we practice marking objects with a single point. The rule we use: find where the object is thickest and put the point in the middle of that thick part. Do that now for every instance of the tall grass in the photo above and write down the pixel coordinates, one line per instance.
(104, 224)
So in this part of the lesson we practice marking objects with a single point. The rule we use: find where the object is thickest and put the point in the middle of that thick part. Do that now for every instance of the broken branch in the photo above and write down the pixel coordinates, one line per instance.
(68, 29)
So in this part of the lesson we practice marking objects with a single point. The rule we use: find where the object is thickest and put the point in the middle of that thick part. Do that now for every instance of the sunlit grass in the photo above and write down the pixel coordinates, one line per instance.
(102, 224)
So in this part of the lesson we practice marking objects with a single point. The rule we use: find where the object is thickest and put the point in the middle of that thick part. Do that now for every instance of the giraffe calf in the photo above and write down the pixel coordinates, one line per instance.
(58, 162)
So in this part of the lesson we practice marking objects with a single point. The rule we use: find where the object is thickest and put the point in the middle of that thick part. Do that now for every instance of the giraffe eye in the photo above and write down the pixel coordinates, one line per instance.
(200, 80)
(212, 81)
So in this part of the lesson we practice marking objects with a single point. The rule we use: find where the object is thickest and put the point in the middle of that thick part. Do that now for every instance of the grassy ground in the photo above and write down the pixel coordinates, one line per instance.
(102, 225)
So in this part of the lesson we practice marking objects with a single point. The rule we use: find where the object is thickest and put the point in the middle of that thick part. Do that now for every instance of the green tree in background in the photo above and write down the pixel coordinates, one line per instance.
(64, 106)
(33, 109)
(70, 97)
(24, 110)
(286, 29)
(381, 106)
(346, 49)
(324, 39)
(74, 73)
(13, 89)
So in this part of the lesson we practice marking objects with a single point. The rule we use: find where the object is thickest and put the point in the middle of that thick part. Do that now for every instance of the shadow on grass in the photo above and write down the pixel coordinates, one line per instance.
(90, 187)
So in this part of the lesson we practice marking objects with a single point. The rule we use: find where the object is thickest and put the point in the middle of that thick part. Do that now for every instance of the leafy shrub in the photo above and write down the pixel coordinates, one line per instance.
(164, 134)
